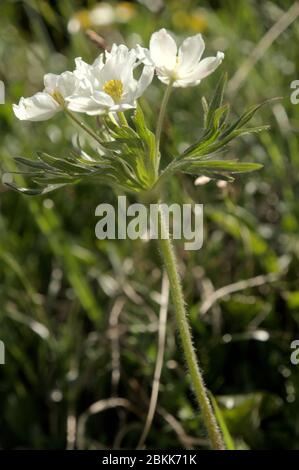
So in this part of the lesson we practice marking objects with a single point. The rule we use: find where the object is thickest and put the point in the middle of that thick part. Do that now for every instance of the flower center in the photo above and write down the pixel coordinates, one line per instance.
(58, 97)
(175, 74)
(114, 88)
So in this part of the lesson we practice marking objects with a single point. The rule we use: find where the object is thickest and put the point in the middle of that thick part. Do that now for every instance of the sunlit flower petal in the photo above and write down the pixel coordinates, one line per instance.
(183, 68)
(144, 55)
(207, 66)
(163, 50)
(110, 85)
(39, 107)
(145, 80)
(46, 104)
(190, 52)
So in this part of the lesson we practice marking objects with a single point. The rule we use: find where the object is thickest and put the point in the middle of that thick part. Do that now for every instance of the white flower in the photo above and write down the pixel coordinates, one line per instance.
(182, 66)
(102, 14)
(202, 180)
(108, 85)
(46, 104)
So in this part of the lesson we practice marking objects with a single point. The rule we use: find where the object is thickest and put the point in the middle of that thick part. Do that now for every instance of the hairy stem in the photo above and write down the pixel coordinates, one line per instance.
(161, 118)
(169, 258)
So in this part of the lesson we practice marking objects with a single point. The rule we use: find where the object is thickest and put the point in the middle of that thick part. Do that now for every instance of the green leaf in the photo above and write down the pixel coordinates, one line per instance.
(217, 99)
(45, 179)
(34, 191)
(219, 166)
(148, 139)
(245, 118)
(217, 132)
(205, 107)
(63, 165)
(201, 147)
(220, 116)
(32, 163)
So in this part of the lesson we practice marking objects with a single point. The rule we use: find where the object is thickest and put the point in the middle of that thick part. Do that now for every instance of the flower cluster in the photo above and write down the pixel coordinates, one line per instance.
(109, 84)
(126, 153)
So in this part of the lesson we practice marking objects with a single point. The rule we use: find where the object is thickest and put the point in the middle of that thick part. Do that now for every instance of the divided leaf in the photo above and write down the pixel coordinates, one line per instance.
(196, 159)
(126, 158)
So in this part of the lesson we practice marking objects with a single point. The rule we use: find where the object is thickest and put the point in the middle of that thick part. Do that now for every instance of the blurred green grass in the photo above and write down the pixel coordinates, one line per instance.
(59, 286)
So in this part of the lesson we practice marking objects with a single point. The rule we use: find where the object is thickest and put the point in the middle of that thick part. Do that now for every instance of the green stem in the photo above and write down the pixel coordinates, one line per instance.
(200, 390)
(83, 126)
(161, 118)
(122, 118)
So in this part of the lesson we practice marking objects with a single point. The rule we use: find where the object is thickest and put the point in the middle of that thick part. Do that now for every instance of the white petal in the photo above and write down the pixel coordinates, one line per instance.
(121, 53)
(82, 68)
(97, 111)
(64, 83)
(190, 53)
(67, 83)
(163, 50)
(50, 82)
(185, 82)
(112, 51)
(122, 107)
(112, 69)
(144, 55)
(206, 67)
(145, 80)
(93, 105)
(39, 107)
(164, 78)
(99, 62)
(126, 76)
(103, 99)
(80, 104)
(90, 98)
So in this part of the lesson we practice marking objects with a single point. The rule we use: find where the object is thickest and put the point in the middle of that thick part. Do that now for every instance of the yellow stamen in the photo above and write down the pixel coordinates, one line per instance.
(58, 97)
(114, 88)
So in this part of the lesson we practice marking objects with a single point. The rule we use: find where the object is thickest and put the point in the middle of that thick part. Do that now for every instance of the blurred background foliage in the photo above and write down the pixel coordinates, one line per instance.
(79, 317)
